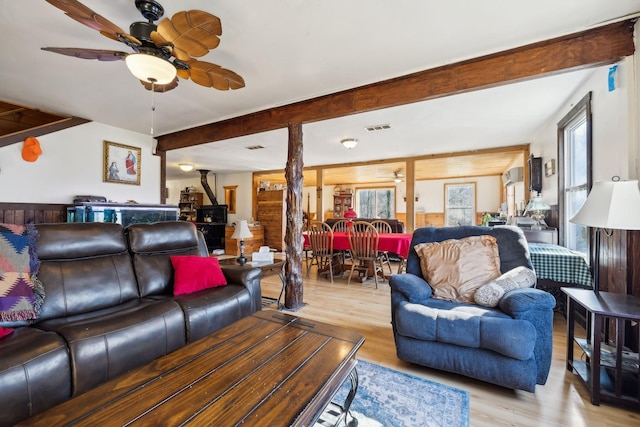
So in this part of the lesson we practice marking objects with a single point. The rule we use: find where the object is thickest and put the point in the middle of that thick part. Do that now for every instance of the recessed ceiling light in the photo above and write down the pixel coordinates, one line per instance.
(186, 167)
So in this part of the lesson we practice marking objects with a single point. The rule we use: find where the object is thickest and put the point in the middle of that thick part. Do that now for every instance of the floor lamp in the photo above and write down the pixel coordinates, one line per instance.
(610, 205)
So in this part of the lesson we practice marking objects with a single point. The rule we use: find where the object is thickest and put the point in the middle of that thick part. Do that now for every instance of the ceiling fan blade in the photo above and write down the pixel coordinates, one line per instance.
(212, 75)
(161, 88)
(99, 54)
(84, 15)
(193, 33)
(183, 73)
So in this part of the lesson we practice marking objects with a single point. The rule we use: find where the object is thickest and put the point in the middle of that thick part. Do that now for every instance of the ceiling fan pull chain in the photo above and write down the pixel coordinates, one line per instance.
(153, 103)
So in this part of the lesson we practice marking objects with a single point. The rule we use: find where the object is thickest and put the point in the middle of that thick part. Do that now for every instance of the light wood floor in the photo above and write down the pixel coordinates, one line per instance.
(562, 401)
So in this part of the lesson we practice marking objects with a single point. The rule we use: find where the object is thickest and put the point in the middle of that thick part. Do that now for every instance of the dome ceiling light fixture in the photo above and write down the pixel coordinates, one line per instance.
(187, 167)
(349, 142)
(151, 68)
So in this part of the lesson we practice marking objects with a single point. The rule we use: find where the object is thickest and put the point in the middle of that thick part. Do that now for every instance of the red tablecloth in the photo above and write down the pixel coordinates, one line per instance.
(397, 243)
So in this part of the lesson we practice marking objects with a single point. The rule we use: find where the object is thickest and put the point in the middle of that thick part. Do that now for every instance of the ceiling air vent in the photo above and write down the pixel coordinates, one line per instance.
(254, 147)
(376, 128)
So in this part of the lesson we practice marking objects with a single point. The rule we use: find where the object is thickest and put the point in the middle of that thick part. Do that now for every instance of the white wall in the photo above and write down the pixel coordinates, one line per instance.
(614, 130)
(431, 193)
(72, 164)
(244, 198)
(175, 186)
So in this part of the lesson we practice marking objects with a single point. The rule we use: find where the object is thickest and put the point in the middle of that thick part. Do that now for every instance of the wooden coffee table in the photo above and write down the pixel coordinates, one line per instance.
(268, 369)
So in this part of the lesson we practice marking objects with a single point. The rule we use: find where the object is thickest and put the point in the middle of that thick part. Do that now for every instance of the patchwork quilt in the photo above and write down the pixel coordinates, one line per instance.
(21, 293)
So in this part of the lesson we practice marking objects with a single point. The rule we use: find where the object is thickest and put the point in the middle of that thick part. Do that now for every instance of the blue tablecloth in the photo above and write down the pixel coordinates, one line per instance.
(559, 264)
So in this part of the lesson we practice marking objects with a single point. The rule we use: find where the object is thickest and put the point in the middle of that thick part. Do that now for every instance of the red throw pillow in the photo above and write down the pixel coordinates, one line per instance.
(195, 273)
(5, 331)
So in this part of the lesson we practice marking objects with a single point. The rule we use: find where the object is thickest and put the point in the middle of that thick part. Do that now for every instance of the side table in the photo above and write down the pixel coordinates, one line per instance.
(268, 269)
(610, 370)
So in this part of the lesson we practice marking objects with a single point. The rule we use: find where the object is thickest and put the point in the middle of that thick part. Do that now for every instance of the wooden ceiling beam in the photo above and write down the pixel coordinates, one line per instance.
(41, 130)
(599, 46)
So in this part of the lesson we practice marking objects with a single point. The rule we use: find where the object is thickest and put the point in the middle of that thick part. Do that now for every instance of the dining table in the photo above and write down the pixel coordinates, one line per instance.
(395, 243)
(557, 267)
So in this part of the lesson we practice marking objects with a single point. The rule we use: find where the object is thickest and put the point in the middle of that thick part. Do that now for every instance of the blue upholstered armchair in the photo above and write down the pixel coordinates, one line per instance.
(509, 345)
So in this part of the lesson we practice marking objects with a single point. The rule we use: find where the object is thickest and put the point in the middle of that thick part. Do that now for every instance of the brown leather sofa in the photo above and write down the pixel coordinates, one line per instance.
(397, 226)
(109, 308)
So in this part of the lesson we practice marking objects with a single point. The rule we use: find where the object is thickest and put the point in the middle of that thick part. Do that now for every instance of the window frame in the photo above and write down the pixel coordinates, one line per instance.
(582, 107)
(392, 189)
(474, 212)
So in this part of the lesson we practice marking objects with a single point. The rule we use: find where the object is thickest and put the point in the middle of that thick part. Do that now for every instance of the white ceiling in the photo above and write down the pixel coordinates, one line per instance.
(291, 50)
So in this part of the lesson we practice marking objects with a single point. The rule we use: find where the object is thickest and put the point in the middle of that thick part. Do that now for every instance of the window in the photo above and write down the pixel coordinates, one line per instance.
(376, 203)
(460, 204)
(574, 167)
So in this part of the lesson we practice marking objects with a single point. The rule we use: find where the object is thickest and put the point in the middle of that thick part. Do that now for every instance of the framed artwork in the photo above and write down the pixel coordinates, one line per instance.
(550, 167)
(121, 163)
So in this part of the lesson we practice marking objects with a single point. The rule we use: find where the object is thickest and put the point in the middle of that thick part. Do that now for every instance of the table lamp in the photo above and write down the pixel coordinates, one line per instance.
(536, 206)
(242, 232)
(610, 205)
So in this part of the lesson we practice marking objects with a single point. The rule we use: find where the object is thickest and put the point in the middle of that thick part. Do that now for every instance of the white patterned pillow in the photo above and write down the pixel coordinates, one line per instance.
(490, 293)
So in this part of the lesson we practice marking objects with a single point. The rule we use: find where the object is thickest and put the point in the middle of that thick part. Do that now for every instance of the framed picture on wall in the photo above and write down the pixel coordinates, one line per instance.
(122, 163)
(550, 168)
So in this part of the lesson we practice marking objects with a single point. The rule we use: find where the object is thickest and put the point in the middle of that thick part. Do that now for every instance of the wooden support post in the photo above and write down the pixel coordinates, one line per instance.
(319, 196)
(410, 179)
(293, 235)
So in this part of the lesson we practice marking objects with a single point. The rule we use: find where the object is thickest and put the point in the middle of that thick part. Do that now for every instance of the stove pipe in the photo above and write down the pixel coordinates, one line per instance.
(205, 185)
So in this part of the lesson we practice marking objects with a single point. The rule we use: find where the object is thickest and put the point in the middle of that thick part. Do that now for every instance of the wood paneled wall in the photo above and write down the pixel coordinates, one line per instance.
(32, 213)
(619, 266)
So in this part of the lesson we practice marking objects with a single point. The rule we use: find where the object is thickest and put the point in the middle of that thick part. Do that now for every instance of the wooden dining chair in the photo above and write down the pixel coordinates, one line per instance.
(321, 240)
(306, 246)
(363, 240)
(384, 227)
(341, 226)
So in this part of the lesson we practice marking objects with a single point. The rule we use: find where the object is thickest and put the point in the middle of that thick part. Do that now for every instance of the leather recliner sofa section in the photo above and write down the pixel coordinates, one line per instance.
(151, 247)
(109, 308)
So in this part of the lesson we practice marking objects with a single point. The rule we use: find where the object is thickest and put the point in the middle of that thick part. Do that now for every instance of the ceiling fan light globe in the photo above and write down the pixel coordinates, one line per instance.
(150, 68)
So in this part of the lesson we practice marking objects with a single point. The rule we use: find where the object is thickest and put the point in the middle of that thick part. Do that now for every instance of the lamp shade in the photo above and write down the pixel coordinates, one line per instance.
(537, 204)
(611, 204)
(242, 231)
(151, 68)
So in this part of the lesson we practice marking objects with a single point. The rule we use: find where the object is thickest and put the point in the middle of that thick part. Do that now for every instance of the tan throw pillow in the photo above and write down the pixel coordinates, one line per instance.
(490, 294)
(456, 268)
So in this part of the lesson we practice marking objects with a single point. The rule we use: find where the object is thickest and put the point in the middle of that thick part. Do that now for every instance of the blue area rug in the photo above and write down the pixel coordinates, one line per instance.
(391, 398)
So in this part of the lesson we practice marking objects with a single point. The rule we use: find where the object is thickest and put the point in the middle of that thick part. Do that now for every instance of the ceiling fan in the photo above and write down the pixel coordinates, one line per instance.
(397, 176)
(161, 52)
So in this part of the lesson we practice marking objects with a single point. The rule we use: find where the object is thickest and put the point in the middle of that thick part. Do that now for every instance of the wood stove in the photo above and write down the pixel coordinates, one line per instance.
(212, 220)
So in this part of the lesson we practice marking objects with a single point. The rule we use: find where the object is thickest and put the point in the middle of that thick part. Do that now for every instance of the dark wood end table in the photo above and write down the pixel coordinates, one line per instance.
(611, 371)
